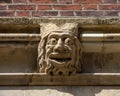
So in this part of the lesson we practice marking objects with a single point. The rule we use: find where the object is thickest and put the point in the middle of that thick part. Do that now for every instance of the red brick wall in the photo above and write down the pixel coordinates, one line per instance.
(59, 8)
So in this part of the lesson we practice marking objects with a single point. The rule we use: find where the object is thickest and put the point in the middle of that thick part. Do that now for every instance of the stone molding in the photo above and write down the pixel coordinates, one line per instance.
(33, 79)
(60, 49)
(101, 52)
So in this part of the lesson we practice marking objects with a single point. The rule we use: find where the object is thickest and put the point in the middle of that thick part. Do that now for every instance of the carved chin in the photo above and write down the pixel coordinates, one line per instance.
(60, 58)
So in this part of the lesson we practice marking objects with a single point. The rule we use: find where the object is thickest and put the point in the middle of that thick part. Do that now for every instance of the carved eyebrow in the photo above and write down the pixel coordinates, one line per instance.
(67, 33)
(62, 31)
(63, 36)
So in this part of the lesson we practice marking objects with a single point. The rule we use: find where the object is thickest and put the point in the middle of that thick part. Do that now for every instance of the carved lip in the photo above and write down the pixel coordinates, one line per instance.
(61, 58)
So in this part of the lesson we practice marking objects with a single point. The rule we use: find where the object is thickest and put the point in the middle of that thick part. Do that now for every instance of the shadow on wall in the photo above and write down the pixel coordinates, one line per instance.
(61, 91)
(18, 57)
(101, 62)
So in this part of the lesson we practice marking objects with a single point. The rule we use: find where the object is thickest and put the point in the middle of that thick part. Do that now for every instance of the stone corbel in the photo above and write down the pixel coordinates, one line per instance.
(60, 49)
(59, 52)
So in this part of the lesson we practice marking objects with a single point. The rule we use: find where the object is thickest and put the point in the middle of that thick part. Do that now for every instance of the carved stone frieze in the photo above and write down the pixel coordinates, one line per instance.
(59, 50)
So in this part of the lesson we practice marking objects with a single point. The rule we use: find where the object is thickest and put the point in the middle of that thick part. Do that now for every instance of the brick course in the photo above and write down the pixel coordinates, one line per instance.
(23, 13)
(44, 7)
(67, 7)
(59, 8)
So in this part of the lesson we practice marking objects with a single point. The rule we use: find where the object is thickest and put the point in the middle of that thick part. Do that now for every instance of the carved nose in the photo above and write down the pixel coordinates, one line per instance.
(60, 46)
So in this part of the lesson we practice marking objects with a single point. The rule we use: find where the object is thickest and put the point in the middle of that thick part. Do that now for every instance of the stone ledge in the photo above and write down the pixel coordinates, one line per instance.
(43, 79)
(19, 28)
(19, 37)
(87, 20)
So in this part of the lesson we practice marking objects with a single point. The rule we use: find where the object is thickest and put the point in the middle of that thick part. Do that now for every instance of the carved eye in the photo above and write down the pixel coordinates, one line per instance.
(53, 41)
(68, 41)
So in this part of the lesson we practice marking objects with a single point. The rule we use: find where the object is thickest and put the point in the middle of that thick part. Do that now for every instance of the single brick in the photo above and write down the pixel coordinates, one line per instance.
(43, 1)
(68, 7)
(44, 7)
(23, 13)
(67, 13)
(5, 1)
(44, 13)
(90, 13)
(89, 7)
(7, 13)
(109, 1)
(88, 1)
(65, 1)
(21, 7)
(109, 7)
(20, 1)
(3, 7)
(111, 13)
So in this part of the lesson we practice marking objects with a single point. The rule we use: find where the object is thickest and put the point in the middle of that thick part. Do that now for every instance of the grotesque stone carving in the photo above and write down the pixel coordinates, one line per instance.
(59, 50)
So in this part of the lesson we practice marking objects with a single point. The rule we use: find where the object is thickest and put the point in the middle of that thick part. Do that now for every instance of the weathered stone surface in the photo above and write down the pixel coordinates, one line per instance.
(31, 79)
(59, 50)
(19, 28)
(60, 20)
(18, 57)
(61, 91)
(19, 38)
(101, 54)
(101, 62)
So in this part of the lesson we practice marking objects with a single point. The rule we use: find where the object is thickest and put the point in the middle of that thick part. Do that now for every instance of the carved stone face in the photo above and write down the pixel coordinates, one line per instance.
(60, 48)
(59, 51)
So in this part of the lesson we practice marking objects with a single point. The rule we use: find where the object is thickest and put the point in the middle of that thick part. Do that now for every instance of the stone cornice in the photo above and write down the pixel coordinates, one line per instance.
(43, 79)
(100, 38)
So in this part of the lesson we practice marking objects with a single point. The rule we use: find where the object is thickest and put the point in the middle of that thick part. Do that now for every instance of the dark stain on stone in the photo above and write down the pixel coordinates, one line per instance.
(110, 37)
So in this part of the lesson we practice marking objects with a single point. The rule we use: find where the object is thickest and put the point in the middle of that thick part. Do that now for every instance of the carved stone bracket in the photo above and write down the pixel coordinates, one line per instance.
(59, 50)
(57, 47)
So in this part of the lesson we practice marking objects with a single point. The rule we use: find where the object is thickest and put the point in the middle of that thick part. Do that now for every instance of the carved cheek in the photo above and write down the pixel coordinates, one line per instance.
(49, 49)
(70, 48)
(69, 42)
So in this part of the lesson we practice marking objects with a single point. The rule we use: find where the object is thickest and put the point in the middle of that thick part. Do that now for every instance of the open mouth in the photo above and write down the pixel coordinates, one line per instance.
(61, 59)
